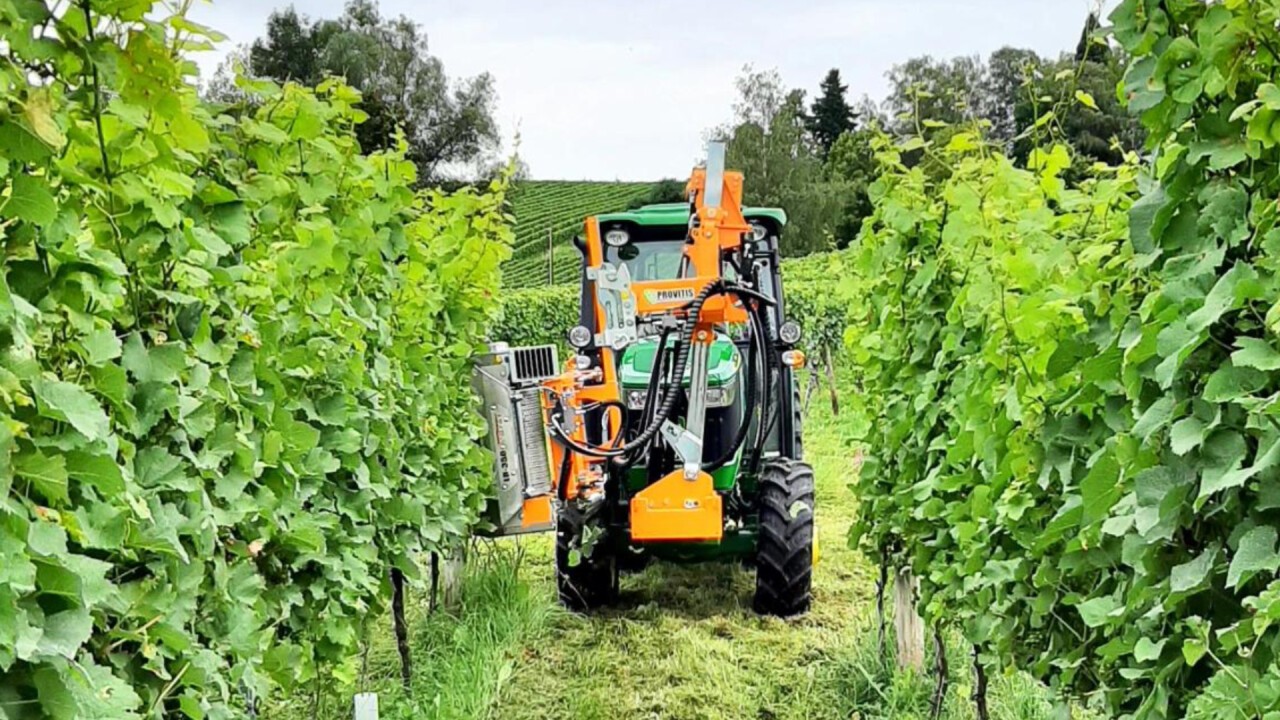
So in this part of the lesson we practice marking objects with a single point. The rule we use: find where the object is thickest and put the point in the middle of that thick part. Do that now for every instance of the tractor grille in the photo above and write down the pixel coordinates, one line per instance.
(533, 363)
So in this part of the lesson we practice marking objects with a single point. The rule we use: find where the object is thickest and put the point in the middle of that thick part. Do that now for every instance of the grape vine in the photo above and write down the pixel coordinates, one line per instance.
(1069, 390)
(232, 372)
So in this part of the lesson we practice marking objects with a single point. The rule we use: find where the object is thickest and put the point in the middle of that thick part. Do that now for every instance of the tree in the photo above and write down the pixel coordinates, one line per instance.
(666, 190)
(769, 142)
(948, 91)
(1009, 72)
(446, 123)
(1099, 127)
(1092, 46)
(830, 116)
(289, 51)
(851, 168)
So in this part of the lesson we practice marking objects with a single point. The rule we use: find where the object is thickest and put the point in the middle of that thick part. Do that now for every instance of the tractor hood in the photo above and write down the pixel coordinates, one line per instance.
(637, 363)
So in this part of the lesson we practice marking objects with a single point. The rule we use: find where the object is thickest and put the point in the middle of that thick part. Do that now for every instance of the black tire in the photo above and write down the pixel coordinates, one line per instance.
(593, 581)
(632, 560)
(784, 551)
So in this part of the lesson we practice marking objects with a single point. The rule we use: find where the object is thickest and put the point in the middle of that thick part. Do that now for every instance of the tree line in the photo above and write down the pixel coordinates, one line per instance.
(814, 158)
(447, 123)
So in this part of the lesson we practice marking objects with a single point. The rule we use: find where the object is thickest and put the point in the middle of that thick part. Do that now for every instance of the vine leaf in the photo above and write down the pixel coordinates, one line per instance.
(1097, 611)
(1229, 383)
(30, 200)
(1191, 575)
(73, 404)
(47, 473)
(1157, 415)
(1187, 434)
(1256, 553)
(1100, 488)
(39, 115)
(102, 346)
(1255, 353)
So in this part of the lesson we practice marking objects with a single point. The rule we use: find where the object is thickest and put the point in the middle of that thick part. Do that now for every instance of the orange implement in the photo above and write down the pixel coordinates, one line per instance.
(676, 509)
(537, 514)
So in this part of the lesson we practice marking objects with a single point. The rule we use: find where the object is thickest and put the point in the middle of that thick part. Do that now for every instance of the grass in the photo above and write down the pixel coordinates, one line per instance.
(681, 644)
(684, 644)
(461, 655)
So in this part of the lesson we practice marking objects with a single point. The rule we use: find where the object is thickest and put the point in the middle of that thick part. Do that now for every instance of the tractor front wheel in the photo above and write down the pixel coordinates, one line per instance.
(586, 579)
(784, 551)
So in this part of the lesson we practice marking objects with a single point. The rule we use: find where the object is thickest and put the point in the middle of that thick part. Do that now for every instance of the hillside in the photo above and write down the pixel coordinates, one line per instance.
(555, 209)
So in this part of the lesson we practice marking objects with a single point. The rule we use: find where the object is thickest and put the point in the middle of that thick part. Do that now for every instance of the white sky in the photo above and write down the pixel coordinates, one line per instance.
(607, 89)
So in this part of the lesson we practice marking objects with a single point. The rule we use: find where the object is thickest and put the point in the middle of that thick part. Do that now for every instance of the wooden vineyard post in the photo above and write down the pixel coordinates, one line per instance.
(454, 568)
(551, 260)
(907, 624)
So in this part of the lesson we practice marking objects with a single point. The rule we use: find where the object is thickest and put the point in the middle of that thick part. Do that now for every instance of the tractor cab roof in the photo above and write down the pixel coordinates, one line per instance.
(678, 214)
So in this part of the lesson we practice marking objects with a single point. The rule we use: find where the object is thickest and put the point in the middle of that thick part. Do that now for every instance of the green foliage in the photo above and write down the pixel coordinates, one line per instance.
(851, 168)
(543, 316)
(1027, 101)
(770, 144)
(557, 208)
(537, 316)
(1068, 396)
(1075, 101)
(830, 115)
(980, 299)
(402, 85)
(233, 380)
(666, 190)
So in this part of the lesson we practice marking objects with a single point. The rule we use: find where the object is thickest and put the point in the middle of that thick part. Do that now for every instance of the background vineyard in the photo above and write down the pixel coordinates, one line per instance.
(555, 209)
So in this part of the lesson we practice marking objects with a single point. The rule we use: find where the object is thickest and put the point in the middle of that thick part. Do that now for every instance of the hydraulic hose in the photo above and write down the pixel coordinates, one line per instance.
(755, 379)
(668, 403)
(760, 340)
(651, 392)
(773, 374)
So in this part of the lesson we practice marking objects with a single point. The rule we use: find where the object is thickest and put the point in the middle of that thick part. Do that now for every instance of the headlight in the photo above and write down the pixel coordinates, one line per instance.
(579, 336)
(617, 238)
(789, 333)
(635, 399)
(718, 397)
(759, 231)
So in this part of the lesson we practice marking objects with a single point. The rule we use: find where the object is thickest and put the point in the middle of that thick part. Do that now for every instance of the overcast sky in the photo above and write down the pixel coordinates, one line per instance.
(614, 89)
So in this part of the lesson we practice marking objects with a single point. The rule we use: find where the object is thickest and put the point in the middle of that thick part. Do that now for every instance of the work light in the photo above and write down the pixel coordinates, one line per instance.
(617, 238)
(579, 336)
(789, 333)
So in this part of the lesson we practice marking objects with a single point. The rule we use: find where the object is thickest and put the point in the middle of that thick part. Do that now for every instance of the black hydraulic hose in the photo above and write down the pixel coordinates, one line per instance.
(622, 416)
(773, 375)
(655, 379)
(755, 379)
(651, 392)
(668, 403)
(562, 487)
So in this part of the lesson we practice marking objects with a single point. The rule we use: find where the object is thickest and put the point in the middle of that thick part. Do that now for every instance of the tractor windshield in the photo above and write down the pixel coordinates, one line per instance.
(649, 260)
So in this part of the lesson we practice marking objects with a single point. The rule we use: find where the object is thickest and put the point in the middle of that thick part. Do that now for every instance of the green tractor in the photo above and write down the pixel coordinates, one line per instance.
(673, 432)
